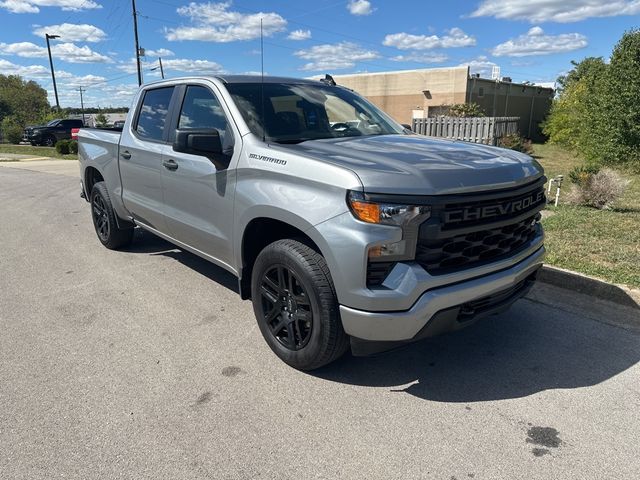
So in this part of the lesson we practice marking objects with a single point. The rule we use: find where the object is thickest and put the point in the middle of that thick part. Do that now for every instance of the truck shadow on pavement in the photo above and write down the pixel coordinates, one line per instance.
(529, 349)
(150, 244)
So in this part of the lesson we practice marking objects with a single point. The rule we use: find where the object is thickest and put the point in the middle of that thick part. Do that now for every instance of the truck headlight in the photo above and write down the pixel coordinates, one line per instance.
(386, 213)
(407, 217)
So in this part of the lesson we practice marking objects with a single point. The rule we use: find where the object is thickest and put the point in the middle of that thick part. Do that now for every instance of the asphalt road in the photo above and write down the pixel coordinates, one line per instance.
(145, 364)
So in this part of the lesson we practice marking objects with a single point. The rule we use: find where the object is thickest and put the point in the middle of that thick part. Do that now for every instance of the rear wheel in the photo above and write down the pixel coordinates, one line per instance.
(295, 305)
(104, 219)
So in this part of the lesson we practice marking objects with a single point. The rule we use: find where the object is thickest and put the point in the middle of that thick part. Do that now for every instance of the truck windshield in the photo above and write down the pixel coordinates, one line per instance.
(53, 123)
(294, 113)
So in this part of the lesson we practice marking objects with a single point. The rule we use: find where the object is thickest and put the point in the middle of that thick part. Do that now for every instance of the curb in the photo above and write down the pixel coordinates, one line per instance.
(594, 287)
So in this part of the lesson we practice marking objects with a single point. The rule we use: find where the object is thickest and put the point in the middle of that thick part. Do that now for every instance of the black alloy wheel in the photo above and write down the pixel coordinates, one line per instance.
(295, 304)
(100, 218)
(286, 307)
(105, 222)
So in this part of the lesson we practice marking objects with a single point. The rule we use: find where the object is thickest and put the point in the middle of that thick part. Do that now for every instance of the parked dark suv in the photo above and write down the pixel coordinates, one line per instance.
(49, 134)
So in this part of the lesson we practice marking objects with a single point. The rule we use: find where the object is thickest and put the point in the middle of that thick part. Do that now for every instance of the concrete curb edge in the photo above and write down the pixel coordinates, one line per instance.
(591, 286)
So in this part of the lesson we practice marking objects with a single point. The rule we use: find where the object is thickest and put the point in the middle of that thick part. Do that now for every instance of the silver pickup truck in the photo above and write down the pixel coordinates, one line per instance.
(343, 227)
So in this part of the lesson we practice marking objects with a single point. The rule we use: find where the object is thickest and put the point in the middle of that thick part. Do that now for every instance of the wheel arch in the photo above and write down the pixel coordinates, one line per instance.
(263, 230)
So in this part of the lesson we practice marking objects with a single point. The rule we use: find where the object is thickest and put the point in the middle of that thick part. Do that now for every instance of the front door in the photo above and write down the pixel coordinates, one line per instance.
(198, 191)
(141, 147)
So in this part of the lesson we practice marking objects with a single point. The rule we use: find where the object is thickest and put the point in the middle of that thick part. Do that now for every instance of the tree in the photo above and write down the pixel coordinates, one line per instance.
(615, 116)
(101, 119)
(23, 100)
(568, 120)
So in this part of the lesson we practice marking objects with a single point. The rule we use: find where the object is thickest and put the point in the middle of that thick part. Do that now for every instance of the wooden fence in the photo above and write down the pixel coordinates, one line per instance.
(487, 130)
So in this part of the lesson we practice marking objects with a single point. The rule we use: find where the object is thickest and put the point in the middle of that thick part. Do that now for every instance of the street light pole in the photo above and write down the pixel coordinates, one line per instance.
(161, 69)
(53, 75)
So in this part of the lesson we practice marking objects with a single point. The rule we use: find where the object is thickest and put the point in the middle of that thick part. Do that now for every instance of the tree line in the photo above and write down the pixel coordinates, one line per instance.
(597, 111)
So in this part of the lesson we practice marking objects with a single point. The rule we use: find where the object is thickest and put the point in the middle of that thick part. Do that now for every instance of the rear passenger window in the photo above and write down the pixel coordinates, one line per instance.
(153, 113)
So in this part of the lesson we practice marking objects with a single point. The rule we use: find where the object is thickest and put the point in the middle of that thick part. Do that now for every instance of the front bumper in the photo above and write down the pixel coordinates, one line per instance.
(407, 325)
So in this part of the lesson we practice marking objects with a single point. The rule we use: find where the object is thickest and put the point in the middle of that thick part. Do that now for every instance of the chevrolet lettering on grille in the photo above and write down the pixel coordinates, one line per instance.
(487, 211)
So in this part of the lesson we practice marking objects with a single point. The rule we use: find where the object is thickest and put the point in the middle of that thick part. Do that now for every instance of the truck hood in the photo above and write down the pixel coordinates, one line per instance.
(418, 165)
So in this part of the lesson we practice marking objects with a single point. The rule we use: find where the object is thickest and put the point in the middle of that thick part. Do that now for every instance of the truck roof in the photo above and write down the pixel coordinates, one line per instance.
(231, 79)
(259, 79)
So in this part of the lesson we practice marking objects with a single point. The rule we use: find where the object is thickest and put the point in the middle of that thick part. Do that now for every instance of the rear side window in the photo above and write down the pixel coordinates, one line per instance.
(153, 113)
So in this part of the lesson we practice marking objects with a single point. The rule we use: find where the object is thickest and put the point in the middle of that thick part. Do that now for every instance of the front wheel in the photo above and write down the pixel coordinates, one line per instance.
(49, 141)
(295, 305)
(104, 219)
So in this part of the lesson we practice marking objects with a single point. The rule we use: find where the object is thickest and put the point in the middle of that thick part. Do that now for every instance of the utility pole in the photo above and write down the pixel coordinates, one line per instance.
(82, 102)
(161, 69)
(53, 75)
(135, 34)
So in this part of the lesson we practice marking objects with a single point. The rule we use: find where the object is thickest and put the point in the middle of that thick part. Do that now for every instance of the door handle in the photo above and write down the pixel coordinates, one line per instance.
(126, 155)
(170, 164)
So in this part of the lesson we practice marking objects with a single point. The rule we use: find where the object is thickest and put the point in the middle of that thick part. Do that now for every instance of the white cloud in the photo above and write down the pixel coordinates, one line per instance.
(32, 6)
(214, 22)
(406, 41)
(565, 11)
(481, 65)
(66, 52)
(299, 35)
(204, 67)
(335, 57)
(161, 52)
(536, 42)
(421, 58)
(360, 7)
(30, 71)
(73, 32)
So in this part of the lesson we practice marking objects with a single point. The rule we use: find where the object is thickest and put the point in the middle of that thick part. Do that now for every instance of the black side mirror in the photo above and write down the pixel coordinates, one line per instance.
(407, 126)
(198, 141)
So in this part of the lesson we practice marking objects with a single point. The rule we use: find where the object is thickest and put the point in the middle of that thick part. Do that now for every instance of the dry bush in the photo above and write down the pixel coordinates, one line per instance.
(599, 190)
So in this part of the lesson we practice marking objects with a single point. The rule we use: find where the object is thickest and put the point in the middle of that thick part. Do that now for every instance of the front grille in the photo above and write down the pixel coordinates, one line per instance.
(469, 232)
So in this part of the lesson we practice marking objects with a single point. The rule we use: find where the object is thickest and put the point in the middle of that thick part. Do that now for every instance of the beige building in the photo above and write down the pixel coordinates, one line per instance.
(409, 94)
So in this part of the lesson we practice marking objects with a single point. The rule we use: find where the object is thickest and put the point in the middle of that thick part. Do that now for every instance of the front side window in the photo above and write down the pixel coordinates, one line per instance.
(202, 110)
(293, 113)
(153, 113)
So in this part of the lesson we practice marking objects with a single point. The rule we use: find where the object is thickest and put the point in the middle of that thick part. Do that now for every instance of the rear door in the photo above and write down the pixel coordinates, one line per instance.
(198, 191)
(141, 147)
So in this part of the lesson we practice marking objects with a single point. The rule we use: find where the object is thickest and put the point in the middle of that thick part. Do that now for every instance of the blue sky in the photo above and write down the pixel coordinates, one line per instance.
(532, 40)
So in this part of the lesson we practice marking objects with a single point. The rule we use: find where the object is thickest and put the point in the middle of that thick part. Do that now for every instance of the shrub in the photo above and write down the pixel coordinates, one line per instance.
(62, 147)
(73, 146)
(599, 190)
(11, 130)
(515, 142)
(581, 175)
(466, 110)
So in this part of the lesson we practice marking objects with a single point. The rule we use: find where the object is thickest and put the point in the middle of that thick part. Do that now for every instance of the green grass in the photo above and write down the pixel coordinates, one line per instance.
(39, 151)
(602, 243)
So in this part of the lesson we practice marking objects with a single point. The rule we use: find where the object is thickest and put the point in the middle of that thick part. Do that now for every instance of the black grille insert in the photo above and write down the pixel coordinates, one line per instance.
(471, 232)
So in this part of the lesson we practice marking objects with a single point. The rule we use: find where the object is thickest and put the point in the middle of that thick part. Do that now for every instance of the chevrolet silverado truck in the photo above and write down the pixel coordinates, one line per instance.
(49, 134)
(345, 229)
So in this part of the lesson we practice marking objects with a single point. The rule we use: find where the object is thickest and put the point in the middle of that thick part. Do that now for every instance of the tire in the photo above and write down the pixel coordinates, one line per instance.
(49, 141)
(295, 305)
(104, 219)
